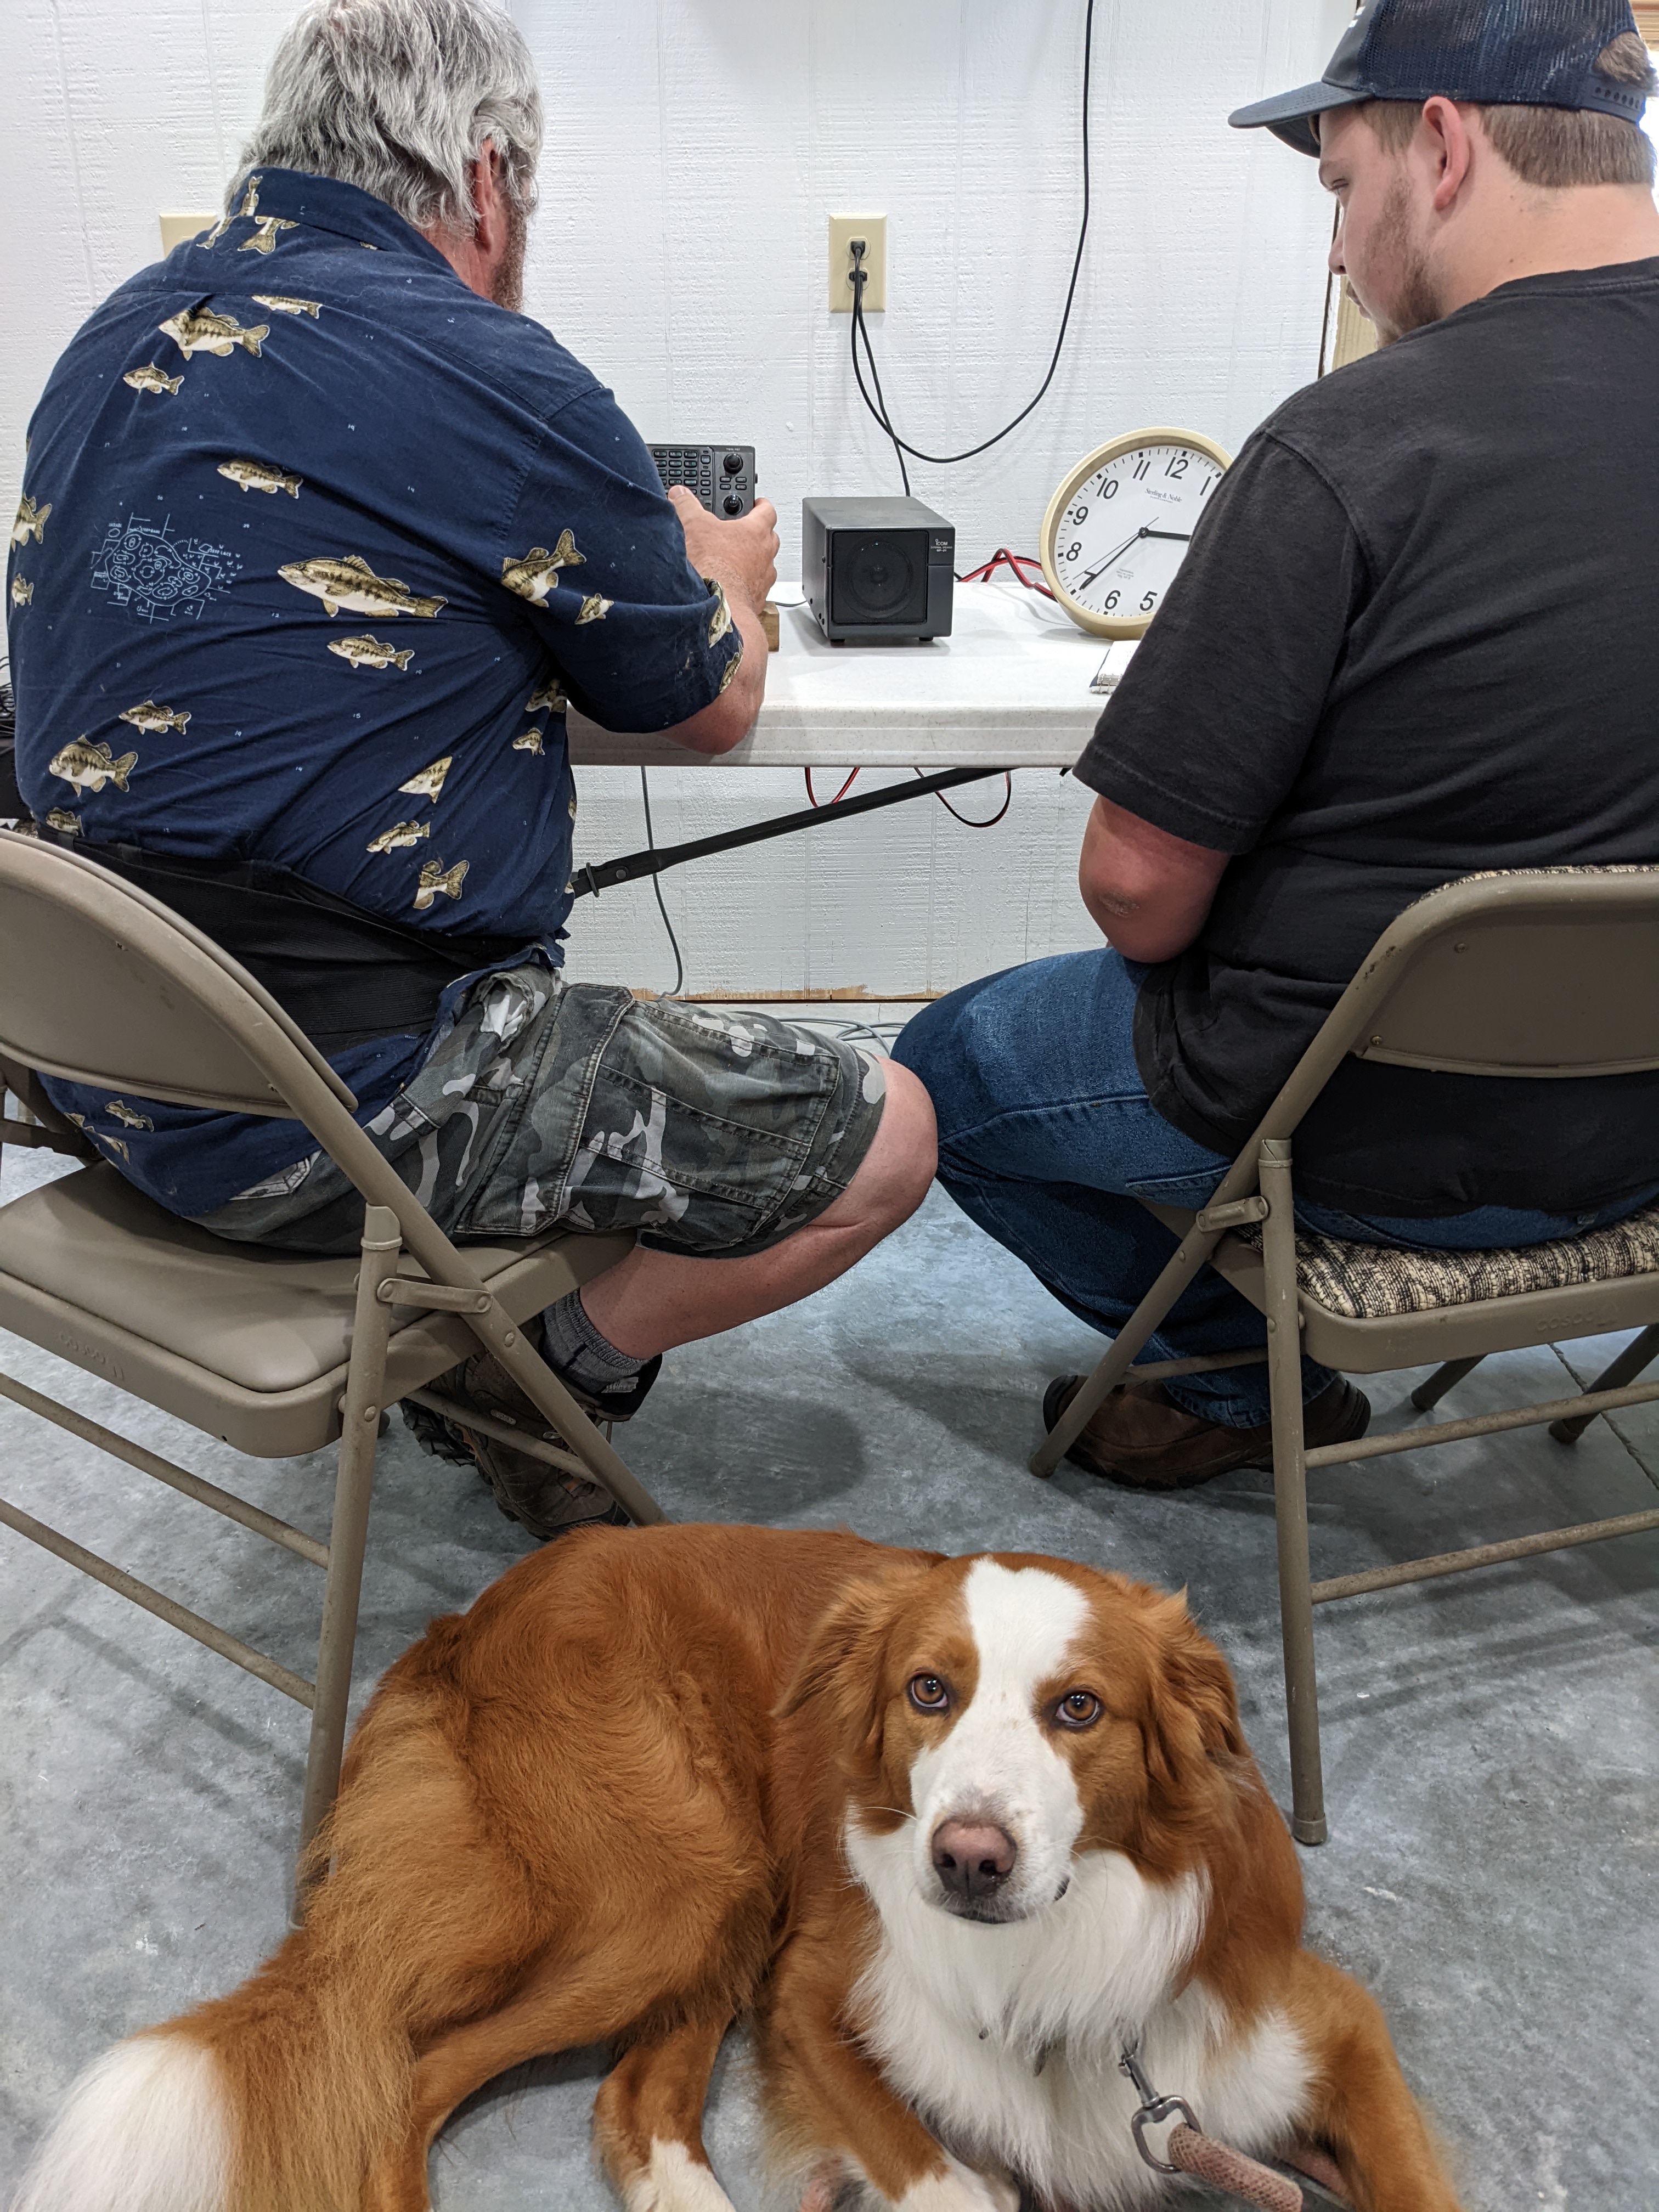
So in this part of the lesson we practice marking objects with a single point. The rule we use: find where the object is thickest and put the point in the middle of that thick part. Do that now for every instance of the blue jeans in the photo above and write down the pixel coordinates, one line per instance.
(1047, 1138)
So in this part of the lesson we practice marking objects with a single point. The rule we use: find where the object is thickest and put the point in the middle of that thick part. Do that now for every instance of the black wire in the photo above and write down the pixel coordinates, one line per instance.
(855, 331)
(949, 460)
(656, 885)
(967, 820)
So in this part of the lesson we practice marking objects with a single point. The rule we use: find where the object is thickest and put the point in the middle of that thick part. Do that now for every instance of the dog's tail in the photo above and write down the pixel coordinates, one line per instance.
(282, 2096)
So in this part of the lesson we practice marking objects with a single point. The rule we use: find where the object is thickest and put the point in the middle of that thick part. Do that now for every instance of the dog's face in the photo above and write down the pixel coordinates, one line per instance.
(1018, 1712)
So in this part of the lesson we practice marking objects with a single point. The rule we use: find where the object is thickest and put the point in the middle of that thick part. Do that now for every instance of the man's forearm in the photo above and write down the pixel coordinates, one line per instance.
(730, 718)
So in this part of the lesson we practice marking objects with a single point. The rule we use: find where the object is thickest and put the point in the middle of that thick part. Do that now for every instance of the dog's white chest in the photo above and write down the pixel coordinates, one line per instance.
(1006, 2039)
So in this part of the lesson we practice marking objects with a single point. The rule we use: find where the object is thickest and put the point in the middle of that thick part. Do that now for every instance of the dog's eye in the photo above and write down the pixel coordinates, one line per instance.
(1077, 1709)
(928, 1694)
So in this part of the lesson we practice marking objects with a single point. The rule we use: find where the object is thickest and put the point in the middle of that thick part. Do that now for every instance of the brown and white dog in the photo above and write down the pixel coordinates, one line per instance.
(949, 1830)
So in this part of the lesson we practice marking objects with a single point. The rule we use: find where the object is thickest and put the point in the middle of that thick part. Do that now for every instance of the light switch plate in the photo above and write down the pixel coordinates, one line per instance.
(843, 229)
(176, 228)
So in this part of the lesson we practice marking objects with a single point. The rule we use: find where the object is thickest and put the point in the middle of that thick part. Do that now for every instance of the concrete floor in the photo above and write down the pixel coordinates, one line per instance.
(1489, 1741)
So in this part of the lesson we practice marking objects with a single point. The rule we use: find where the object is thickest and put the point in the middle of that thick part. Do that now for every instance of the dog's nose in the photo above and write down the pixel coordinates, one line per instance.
(972, 1857)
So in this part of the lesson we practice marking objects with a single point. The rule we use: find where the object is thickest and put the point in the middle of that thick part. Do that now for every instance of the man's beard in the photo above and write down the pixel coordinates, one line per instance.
(506, 285)
(1418, 299)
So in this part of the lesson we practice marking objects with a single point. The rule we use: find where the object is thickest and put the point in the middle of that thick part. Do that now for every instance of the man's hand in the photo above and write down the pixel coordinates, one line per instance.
(741, 557)
(1149, 891)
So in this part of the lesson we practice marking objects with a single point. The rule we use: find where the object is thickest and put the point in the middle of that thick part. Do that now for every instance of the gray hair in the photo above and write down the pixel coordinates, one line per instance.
(399, 97)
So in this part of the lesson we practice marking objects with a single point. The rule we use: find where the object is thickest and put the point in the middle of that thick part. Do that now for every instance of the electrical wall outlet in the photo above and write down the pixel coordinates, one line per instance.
(843, 229)
(176, 228)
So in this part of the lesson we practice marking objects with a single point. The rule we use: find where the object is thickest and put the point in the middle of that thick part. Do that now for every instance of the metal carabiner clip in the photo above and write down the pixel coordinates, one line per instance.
(1154, 2110)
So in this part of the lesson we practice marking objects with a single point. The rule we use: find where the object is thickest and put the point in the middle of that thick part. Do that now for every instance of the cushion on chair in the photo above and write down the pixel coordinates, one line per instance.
(1368, 1282)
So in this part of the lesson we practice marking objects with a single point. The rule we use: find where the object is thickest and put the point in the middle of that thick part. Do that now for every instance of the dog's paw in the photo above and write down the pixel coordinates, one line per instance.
(674, 2181)
(959, 2189)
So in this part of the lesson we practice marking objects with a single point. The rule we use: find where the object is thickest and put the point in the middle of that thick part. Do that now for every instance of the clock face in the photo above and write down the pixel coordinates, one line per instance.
(1118, 526)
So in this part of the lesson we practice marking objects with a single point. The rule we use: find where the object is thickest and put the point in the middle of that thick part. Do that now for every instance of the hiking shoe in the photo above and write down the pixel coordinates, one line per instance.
(544, 1500)
(1141, 1439)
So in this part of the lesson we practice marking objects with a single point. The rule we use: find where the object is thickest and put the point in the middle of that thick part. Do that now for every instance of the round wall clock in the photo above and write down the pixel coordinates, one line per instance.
(1118, 523)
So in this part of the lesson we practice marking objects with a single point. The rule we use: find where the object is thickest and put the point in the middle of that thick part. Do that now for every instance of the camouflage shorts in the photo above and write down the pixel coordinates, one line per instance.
(552, 1104)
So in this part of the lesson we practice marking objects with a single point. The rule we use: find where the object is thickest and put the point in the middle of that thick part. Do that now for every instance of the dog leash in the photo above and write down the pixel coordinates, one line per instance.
(1190, 2151)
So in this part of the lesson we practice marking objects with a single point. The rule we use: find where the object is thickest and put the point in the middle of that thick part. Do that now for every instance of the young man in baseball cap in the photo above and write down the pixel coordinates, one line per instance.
(1414, 638)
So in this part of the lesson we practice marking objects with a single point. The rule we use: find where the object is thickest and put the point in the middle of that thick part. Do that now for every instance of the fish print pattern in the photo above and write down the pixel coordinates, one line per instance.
(351, 582)
(67, 825)
(720, 621)
(436, 877)
(537, 573)
(594, 609)
(22, 592)
(198, 329)
(399, 837)
(260, 475)
(89, 768)
(31, 522)
(153, 720)
(263, 240)
(551, 697)
(281, 303)
(119, 1111)
(371, 652)
(150, 379)
(530, 742)
(430, 780)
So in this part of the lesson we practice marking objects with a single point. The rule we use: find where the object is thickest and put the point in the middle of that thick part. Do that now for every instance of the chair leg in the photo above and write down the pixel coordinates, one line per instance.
(1180, 1271)
(1291, 1495)
(1636, 1355)
(354, 1482)
(1443, 1379)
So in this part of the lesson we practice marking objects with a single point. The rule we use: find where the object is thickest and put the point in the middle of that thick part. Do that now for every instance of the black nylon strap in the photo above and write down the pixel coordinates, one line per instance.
(344, 977)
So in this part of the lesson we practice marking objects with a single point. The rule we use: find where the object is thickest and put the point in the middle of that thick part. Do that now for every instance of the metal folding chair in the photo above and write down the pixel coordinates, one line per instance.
(1547, 973)
(276, 1353)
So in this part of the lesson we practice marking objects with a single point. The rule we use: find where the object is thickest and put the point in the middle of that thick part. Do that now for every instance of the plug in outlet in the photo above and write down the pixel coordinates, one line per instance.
(843, 229)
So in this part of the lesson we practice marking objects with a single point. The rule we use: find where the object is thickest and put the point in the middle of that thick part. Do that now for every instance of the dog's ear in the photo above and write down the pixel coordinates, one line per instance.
(1193, 1716)
(844, 1660)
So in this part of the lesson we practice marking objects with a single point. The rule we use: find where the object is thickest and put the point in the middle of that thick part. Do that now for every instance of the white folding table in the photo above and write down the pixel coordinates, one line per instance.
(1008, 687)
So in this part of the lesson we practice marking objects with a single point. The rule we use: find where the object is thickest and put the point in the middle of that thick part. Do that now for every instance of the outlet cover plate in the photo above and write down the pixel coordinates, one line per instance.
(176, 228)
(843, 229)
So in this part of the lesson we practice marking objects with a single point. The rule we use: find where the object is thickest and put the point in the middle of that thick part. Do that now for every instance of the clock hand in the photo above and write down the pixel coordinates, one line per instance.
(1185, 537)
(1110, 558)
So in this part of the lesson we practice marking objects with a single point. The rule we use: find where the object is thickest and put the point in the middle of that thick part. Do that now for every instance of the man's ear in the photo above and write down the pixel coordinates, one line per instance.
(844, 1662)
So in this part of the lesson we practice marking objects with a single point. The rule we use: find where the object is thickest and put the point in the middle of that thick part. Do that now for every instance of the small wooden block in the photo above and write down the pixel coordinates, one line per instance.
(769, 624)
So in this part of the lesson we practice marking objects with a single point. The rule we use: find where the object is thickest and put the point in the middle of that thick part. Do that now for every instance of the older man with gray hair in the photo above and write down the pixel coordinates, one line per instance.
(328, 535)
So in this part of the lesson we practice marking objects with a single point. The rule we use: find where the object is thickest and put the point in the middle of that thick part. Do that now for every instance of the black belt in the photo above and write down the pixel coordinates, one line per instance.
(344, 977)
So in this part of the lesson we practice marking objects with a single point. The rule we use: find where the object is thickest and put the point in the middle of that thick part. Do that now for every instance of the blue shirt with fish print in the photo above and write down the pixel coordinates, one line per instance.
(314, 545)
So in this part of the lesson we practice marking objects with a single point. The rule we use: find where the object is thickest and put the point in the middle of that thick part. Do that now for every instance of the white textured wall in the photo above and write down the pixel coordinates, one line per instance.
(696, 148)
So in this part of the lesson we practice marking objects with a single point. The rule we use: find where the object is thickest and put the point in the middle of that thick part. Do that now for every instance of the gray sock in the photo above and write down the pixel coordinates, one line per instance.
(581, 1353)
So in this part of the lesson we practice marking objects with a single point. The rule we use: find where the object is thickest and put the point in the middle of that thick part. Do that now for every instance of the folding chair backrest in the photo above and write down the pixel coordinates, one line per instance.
(103, 984)
(1551, 972)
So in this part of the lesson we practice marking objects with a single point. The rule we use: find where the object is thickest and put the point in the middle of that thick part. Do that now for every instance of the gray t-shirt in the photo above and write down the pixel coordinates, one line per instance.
(1415, 635)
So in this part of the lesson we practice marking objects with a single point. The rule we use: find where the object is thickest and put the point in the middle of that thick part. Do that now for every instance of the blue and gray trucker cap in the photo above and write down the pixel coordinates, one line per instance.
(1531, 54)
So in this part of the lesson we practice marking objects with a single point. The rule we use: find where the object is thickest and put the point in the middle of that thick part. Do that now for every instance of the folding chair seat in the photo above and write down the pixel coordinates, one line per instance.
(277, 1353)
(1541, 974)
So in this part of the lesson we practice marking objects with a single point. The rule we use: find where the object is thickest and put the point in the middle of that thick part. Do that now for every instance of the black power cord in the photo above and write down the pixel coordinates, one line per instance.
(656, 885)
(859, 335)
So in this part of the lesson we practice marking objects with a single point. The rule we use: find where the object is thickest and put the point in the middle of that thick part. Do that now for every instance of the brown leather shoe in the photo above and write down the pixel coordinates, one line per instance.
(546, 1500)
(1141, 1439)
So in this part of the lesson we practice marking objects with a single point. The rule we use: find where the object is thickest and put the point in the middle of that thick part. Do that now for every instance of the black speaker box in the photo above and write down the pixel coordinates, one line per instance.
(877, 571)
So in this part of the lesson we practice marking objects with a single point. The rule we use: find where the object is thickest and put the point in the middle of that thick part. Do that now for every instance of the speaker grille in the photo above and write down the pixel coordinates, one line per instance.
(878, 577)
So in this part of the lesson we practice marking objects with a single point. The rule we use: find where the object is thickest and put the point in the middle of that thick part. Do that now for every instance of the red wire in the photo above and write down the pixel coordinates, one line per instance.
(813, 797)
(1018, 563)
